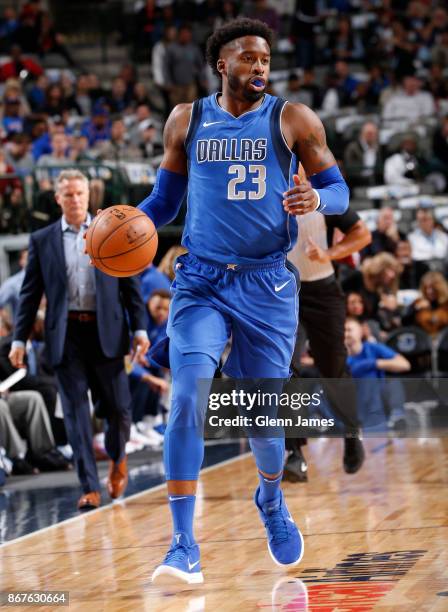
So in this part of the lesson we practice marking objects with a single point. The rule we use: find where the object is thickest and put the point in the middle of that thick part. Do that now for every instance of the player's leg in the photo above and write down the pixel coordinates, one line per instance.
(262, 347)
(192, 373)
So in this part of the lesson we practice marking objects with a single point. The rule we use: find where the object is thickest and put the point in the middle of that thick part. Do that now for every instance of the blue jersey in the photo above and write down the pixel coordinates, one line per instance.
(238, 170)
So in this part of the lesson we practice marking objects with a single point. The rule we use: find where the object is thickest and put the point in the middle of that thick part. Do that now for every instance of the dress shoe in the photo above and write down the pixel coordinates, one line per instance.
(118, 478)
(89, 501)
(353, 455)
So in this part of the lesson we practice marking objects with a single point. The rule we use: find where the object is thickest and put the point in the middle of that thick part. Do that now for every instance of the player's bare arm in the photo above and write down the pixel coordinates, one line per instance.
(164, 202)
(174, 134)
(305, 135)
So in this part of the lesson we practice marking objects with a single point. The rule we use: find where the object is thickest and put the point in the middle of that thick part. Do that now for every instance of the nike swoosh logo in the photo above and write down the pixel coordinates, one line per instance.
(208, 124)
(192, 565)
(280, 287)
(176, 498)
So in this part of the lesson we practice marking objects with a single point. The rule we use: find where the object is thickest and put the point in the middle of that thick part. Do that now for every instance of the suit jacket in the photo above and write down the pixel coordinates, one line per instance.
(46, 273)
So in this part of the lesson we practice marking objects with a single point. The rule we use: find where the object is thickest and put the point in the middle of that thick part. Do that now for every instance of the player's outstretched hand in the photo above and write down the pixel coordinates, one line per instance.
(300, 199)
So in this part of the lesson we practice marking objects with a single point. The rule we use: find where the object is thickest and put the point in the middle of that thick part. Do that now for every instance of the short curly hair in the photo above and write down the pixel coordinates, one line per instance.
(231, 31)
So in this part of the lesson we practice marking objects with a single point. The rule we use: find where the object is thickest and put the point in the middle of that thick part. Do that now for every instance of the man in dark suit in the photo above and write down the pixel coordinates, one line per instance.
(86, 334)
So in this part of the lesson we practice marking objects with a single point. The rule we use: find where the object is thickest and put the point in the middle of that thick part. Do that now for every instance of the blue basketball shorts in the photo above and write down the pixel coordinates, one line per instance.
(256, 305)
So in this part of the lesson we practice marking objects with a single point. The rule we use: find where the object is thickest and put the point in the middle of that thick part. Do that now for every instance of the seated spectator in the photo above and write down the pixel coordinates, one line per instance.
(18, 154)
(148, 383)
(96, 90)
(436, 26)
(428, 243)
(385, 236)
(440, 146)
(40, 138)
(378, 275)
(13, 114)
(344, 44)
(409, 102)
(148, 136)
(140, 96)
(39, 376)
(49, 166)
(412, 271)
(13, 211)
(439, 52)
(25, 412)
(368, 360)
(10, 288)
(347, 84)
(356, 308)
(404, 49)
(118, 100)
(56, 103)
(17, 64)
(151, 279)
(304, 90)
(82, 94)
(8, 27)
(374, 87)
(119, 148)
(404, 167)
(430, 312)
(97, 128)
(437, 83)
(362, 157)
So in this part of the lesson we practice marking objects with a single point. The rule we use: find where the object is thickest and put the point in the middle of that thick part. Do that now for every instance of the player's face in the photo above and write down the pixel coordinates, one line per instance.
(245, 67)
(73, 198)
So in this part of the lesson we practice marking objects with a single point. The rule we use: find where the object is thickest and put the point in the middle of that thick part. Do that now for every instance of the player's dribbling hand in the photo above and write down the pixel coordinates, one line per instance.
(316, 253)
(16, 357)
(300, 199)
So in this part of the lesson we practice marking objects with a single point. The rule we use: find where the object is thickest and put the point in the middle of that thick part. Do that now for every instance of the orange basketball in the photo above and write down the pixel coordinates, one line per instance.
(121, 241)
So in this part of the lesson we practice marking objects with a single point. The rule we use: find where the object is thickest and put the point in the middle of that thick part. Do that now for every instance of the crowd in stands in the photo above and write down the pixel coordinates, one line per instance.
(381, 67)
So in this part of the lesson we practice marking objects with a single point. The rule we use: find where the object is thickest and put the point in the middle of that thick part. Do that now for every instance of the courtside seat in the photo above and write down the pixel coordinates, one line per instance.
(414, 344)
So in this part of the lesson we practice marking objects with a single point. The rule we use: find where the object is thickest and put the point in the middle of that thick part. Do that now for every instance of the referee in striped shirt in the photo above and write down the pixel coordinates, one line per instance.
(322, 319)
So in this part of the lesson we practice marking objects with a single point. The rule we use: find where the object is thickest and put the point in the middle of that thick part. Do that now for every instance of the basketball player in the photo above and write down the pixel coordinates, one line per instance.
(234, 152)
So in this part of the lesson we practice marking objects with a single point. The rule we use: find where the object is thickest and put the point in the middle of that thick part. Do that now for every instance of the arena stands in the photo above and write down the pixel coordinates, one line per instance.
(90, 87)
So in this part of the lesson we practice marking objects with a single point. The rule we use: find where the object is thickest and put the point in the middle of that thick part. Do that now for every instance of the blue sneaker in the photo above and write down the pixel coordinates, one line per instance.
(182, 562)
(285, 542)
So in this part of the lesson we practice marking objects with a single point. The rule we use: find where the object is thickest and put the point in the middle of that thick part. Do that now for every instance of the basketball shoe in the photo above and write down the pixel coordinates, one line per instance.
(182, 563)
(285, 542)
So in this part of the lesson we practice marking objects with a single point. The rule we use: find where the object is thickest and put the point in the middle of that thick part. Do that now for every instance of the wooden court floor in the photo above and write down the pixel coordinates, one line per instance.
(377, 540)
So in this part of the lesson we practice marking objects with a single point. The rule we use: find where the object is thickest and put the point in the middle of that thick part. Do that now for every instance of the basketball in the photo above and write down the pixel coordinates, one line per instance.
(121, 241)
